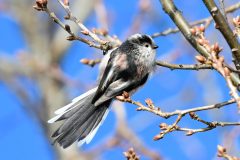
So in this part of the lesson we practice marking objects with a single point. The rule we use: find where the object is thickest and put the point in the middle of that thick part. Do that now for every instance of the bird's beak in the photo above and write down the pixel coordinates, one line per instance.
(155, 47)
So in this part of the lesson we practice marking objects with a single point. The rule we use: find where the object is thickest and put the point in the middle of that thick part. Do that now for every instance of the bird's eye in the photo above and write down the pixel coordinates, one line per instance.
(146, 45)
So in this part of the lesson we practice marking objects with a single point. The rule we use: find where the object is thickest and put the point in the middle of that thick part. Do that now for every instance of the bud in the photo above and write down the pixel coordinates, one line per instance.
(66, 2)
(71, 38)
(84, 61)
(67, 27)
(67, 17)
(94, 30)
(85, 32)
(131, 150)
(216, 48)
(189, 133)
(234, 50)
(216, 26)
(149, 102)
(193, 115)
(193, 30)
(221, 150)
(104, 32)
(201, 28)
(163, 126)
(226, 71)
(236, 21)
(126, 154)
(37, 8)
(120, 98)
(200, 59)
(125, 94)
(40, 5)
(201, 41)
(157, 137)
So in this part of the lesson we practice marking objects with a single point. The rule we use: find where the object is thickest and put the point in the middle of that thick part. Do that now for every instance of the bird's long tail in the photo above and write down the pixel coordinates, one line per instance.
(81, 120)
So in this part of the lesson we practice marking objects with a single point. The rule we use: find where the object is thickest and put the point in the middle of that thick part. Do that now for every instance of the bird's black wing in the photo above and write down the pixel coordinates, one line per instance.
(107, 78)
(117, 87)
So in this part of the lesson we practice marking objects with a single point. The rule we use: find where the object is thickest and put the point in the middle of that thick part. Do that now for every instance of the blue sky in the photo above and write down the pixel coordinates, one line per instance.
(21, 136)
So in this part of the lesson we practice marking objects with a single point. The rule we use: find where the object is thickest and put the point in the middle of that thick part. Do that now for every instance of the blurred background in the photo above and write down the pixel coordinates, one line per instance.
(40, 71)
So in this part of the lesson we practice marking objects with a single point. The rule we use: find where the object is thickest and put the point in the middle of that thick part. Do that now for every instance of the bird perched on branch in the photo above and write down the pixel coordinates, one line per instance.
(126, 69)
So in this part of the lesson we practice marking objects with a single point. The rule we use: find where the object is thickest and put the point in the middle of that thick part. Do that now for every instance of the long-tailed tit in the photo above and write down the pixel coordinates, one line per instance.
(127, 68)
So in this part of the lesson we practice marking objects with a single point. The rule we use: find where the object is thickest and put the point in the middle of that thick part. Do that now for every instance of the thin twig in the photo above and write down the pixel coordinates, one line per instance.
(104, 45)
(180, 113)
(68, 29)
(184, 66)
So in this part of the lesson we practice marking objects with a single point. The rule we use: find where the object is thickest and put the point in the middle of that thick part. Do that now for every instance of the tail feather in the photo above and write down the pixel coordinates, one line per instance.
(84, 130)
(82, 119)
(67, 139)
(88, 137)
(77, 99)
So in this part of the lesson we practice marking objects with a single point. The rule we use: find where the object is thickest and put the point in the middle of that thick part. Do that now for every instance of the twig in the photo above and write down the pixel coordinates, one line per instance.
(104, 45)
(211, 126)
(68, 29)
(184, 66)
(180, 113)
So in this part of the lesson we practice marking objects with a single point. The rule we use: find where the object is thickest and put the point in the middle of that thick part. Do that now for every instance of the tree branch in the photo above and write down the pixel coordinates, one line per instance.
(184, 66)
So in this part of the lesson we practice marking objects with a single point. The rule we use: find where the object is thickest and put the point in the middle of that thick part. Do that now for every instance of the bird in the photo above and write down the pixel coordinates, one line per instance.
(124, 69)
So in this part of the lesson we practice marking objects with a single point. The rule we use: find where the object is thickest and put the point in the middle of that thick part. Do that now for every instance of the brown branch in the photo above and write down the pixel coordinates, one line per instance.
(207, 21)
(212, 125)
(184, 66)
(225, 29)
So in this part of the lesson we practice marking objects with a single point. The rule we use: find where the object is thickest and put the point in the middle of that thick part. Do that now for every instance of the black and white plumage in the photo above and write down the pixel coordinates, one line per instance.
(126, 68)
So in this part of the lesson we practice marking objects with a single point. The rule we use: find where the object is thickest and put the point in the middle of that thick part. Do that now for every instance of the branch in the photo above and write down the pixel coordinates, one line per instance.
(225, 29)
(180, 113)
(184, 66)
